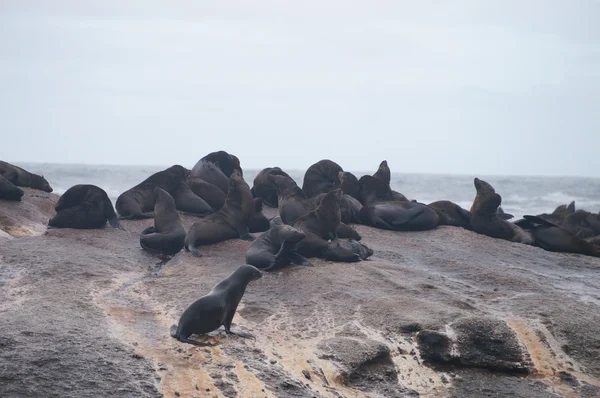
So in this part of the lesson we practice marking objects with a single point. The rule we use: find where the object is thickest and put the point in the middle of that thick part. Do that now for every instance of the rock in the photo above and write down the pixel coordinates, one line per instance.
(479, 342)
(28, 217)
(364, 364)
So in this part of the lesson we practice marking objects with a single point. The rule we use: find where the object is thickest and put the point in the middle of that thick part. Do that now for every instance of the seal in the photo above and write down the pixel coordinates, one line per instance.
(349, 184)
(349, 208)
(485, 219)
(276, 248)
(23, 178)
(168, 234)
(136, 202)
(217, 308)
(321, 177)
(450, 213)
(190, 203)
(84, 207)
(228, 223)
(264, 188)
(210, 193)
(582, 223)
(555, 238)
(258, 222)
(376, 188)
(294, 203)
(399, 216)
(346, 250)
(216, 168)
(9, 191)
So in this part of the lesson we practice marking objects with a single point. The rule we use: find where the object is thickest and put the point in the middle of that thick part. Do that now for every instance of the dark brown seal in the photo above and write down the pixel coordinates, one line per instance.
(168, 234)
(485, 219)
(190, 203)
(399, 216)
(23, 178)
(555, 238)
(84, 207)
(9, 191)
(450, 213)
(210, 193)
(276, 248)
(321, 177)
(264, 188)
(217, 308)
(258, 222)
(228, 223)
(136, 202)
(216, 168)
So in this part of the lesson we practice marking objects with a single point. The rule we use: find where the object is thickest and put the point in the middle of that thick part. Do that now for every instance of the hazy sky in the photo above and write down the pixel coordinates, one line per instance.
(477, 87)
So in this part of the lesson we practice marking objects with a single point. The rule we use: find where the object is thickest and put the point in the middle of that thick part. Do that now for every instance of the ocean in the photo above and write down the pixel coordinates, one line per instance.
(520, 194)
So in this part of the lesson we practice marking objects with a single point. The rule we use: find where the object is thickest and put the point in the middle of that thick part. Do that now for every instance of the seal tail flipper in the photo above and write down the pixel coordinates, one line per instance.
(109, 213)
(406, 218)
(299, 259)
(194, 342)
(539, 221)
(194, 250)
(174, 331)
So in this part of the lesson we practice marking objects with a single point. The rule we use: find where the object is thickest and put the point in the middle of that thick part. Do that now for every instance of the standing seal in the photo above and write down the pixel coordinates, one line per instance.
(168, 234)
(450, 213)
(9, 191)
(555, 238)
(228, 223)
(217, 308)
(216, 168)
(136, 202)
(23, 178)
(485, 219)
(276, 248)
(84, 207)
(264, 188)
(321, 177)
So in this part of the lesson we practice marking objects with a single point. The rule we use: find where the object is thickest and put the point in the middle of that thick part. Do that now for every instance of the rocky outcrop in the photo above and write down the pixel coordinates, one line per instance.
(438, 313)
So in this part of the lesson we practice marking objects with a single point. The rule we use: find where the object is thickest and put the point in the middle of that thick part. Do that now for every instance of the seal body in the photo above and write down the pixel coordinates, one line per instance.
(450, 213)
(485, 219)
(22, 178)
(217, 308)
(555, 238)
(349, 208)
(264, 188)
(136, 202)
(228, 223)
(276, 248)
(188, 202)
(84, 207)
(216, 168)
(210, 193)
(9, 191)
(168, 234)
(321, 177)
(258, 222)
(399, 216)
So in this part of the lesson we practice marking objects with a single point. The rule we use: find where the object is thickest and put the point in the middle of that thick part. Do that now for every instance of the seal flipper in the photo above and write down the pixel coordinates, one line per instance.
(539, 221)
(298, 259)
(114, 222)
(244, 233)
(174, 331)
(378, 222)
(194, 250)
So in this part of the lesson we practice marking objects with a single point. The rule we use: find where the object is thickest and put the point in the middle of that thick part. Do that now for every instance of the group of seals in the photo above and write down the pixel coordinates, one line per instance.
(217, 308)
(84, 206)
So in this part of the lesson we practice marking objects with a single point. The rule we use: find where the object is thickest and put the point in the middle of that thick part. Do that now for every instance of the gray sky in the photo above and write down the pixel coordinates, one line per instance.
(477, 87)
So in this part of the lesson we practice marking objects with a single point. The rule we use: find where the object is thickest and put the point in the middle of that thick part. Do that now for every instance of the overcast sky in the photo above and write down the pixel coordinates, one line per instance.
(476, 87)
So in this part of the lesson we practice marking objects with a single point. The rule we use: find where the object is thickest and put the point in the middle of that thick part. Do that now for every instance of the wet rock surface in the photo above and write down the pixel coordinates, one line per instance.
(445, 312)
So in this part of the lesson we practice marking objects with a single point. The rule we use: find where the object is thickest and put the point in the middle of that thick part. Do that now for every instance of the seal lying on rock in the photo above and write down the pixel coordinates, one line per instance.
(168, 234)
(582, 223)
(485, 219)
(399, 216)
(9, 191)
(293, 204)
(84, 207)
(555, 238)
(264, 188)
(228, 223)
(23, 178)
(276, 248)
(217, 308)
(216, 168)
(450, 213)
(321, 177)
(136, 202)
